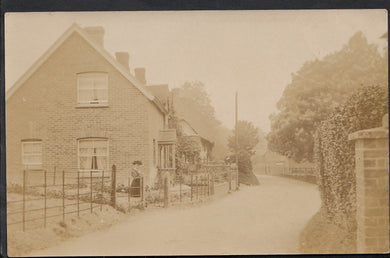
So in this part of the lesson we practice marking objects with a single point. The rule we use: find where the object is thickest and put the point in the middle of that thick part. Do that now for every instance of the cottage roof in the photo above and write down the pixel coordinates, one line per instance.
(76, 28)
(193, 131)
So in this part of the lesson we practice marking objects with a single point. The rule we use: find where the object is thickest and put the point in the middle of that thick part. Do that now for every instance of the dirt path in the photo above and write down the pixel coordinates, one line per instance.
(255, 220)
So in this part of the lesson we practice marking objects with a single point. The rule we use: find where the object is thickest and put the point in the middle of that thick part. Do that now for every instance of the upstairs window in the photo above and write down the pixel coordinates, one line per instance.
(32, 153)
(92, 89)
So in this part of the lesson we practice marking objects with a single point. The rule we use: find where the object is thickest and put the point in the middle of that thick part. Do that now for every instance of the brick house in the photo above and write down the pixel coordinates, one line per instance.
(80, 109)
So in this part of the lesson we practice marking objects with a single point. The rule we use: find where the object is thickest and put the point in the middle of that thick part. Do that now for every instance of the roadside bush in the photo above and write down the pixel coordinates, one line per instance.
(335, 155)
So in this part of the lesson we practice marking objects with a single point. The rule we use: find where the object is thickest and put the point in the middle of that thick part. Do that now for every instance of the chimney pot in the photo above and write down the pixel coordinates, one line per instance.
(96, 34)
(140, 75)
(123, 59)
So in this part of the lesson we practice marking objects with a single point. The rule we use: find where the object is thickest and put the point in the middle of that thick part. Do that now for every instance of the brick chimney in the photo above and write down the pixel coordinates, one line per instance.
(96, 34)
(140, 75)
(123, 59)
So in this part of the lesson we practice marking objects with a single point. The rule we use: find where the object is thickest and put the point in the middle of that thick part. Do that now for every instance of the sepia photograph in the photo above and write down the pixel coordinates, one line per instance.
(232, 132)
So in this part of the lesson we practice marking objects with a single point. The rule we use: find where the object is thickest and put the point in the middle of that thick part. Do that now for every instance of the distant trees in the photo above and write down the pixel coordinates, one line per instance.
(260, 150)
(316, 89)
(247, 139)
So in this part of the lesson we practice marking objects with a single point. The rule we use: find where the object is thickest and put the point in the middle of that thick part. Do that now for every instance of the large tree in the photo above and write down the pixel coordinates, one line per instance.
(247, 139)
(316, 89)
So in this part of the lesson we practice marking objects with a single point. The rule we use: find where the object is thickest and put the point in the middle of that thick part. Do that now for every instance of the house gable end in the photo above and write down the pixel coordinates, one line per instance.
(75, 28)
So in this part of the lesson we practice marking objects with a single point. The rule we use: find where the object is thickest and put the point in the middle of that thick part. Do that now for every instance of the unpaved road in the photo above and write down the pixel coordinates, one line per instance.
(255, 220)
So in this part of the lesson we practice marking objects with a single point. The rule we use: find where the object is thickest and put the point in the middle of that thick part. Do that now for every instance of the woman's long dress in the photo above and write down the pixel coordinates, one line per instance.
(135, 186)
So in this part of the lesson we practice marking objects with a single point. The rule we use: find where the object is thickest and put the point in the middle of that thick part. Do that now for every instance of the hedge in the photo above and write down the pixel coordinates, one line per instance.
(335, 155)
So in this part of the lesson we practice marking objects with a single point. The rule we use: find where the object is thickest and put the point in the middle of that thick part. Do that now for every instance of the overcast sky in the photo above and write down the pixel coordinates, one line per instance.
(252, 52)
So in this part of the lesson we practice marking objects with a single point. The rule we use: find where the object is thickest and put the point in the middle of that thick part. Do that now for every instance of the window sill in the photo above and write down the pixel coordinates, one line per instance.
(101, 105)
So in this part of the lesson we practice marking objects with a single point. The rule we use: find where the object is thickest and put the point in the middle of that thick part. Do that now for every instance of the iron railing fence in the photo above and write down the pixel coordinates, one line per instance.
(45, 195)
(55, 195)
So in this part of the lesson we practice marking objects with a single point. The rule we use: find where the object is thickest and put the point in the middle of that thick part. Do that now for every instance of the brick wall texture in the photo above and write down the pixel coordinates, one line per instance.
(372, 190)
(45, 107)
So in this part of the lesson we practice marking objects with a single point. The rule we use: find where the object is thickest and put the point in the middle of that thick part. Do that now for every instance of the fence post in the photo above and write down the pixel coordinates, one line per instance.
(63, 195)
(237, 182)
(90, 180)
(141, 190)
(113, 186)
(166, 198)
(230, 180)
(24, 200)
(181, 178)
(78, 193)
(128, 193)
(54, 175)
(208, 184)
(203, 186)
(45, 190)
(197, 187)
(101, 201)
(191, 186)
(212, 183)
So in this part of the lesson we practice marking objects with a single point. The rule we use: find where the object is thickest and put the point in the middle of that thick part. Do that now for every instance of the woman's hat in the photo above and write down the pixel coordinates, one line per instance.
(137, 162)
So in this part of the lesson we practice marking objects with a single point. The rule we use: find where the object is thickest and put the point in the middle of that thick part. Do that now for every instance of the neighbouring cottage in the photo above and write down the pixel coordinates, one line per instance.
(204, 145)
(79, 109)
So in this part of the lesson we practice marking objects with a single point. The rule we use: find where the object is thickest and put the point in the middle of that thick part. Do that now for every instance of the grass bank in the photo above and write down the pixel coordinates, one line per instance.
(320, 235)
(21, 243)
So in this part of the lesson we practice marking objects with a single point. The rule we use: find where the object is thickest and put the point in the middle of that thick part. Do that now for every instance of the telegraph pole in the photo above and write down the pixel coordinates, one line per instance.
(236, 134)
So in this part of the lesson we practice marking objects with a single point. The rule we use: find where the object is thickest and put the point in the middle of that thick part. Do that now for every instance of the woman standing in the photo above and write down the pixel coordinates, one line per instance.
(136, 174)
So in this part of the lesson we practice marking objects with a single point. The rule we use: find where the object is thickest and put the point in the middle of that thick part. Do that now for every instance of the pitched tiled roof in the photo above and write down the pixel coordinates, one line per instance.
(195, 131)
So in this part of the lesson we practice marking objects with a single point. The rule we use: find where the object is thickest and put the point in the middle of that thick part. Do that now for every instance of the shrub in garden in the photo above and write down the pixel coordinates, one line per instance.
(335, 155)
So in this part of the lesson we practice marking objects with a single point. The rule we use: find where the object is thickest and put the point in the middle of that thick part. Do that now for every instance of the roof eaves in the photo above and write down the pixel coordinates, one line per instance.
(159, 105)
(182, 119)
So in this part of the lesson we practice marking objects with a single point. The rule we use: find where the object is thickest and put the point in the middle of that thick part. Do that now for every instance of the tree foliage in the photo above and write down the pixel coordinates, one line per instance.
(247, 139)
(316, 89)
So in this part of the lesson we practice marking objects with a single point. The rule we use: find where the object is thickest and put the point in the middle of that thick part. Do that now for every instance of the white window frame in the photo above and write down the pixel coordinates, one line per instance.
(91, 103)
(93, 139)
(26, 164)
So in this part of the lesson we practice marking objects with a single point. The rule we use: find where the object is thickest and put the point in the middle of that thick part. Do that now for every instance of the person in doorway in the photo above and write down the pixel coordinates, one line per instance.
(136, 174)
